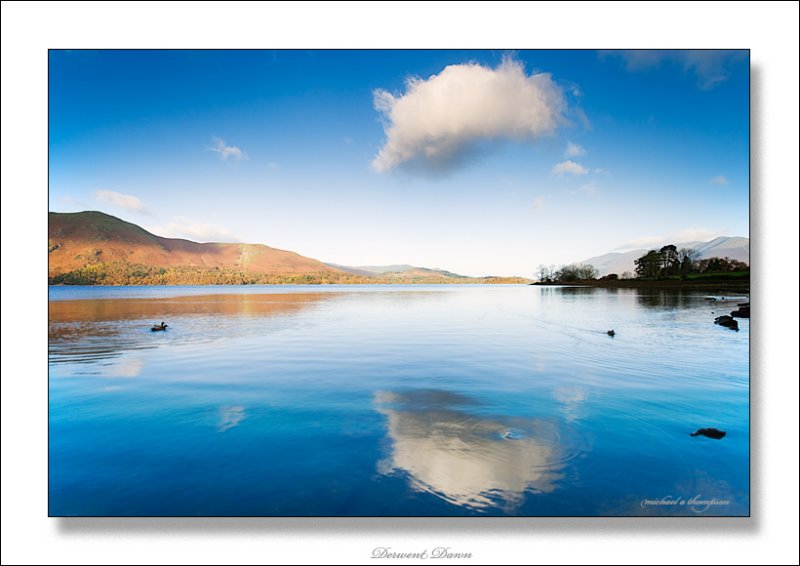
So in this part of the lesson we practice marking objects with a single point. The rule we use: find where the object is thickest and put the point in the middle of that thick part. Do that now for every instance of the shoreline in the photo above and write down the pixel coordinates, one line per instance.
(743, 286)
(290, 284)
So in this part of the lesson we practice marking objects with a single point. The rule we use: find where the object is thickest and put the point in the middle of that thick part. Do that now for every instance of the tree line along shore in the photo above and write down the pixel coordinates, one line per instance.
(665, 267)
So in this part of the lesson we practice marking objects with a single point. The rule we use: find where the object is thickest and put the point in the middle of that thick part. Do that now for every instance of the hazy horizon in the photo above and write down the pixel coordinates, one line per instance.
(477, 162)
(651, 245)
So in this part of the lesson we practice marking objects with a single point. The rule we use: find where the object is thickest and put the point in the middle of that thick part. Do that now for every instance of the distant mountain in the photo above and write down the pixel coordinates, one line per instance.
(615, 262)
(733, 247)
(78, 239)
(397, 271)
(386, 268)
(353, 270)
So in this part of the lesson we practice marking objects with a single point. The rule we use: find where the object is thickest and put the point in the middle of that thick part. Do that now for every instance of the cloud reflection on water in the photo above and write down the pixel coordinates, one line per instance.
(230, 416)
(127, 367)
(466, 458)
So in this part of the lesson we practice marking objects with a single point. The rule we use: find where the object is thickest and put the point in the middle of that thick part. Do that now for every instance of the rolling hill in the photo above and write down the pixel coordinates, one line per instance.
(94, 248)
(78, 239)
(398, 271)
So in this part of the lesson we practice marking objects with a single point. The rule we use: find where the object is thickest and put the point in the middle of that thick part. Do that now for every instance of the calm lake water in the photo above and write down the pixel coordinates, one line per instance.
(395, 400)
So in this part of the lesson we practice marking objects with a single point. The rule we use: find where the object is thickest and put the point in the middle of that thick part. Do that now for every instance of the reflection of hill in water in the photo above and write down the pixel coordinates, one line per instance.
(85, 330)
(98, 310)
(468, 459)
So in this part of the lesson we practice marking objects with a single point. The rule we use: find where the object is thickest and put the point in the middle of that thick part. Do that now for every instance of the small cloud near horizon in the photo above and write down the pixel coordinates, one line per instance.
(226, 151)
(121, 200)
(570, 167)
(587, 189)
(682, 237)
(185, 228)
(719, 180)
(574, 150)
(440, 120)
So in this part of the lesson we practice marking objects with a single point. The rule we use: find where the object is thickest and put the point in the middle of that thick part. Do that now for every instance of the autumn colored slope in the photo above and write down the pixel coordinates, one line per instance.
(80, 239)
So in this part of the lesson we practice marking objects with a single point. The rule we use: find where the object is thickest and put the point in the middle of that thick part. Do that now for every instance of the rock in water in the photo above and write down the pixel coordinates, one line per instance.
(709, 432)
(727, 321)
(741, 312)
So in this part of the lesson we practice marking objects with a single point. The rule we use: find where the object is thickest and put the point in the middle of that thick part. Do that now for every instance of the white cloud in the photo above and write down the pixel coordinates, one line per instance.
(709, 66)
(587, 189)
(682, 237)
(719, 180)
(570, 167)
(226, 151)
(540, 202)
(120, 200)
(643, 242)
(182, 227)
(694, 235)
(438, 120)
(574, 150)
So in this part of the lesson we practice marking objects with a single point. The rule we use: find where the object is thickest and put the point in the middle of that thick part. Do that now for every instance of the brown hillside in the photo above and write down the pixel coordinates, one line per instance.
(79, 239)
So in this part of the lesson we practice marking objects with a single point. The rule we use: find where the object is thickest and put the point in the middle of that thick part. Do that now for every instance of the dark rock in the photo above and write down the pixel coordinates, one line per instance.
(727, 321)
(611, 333)
(741, 312)
(709, 432)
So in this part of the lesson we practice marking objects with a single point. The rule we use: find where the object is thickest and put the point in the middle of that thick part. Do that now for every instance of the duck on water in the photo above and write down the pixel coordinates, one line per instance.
(157, 327)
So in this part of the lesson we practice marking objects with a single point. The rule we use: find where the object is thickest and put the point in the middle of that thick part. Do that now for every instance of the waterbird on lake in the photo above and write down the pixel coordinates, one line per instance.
(709, 432)
(611, 333)
(157, 327)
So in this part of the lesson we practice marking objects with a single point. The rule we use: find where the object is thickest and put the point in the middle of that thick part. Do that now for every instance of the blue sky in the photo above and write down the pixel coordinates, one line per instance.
(480, 162)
